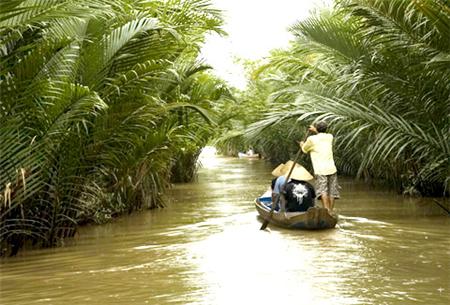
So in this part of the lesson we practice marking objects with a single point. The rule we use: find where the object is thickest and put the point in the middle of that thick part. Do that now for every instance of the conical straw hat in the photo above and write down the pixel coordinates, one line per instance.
(288, 165)
(279, 170)
(300, 173)
(282, 168)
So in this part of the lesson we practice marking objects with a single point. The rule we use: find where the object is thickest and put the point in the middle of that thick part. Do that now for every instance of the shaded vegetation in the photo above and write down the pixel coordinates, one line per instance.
(102, 105)
(378, 72)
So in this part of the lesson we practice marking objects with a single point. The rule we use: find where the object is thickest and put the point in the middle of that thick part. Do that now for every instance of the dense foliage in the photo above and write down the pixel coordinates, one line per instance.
(102, 104)
(379, 72)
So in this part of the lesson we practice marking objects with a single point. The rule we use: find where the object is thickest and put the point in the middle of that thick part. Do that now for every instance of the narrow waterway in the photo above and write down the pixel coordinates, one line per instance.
(206, 248)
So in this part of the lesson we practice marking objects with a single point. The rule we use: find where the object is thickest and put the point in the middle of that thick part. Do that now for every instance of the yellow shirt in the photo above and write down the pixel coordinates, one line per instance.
(321, 148)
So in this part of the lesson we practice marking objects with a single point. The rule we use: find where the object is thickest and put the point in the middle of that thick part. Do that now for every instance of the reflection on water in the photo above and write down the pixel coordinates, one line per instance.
(206, 248)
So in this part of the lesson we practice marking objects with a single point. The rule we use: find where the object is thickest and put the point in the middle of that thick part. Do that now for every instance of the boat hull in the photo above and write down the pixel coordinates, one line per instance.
(245, 156)
(315, 218)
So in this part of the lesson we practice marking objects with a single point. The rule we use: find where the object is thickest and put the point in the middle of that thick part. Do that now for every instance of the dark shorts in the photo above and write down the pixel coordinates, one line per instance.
(327, 184)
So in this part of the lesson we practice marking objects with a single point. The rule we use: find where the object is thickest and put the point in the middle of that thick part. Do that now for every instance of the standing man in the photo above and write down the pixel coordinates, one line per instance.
(320, 146)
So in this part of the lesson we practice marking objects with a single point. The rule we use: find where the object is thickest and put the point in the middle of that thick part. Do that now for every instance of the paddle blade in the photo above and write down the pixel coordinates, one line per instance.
(264, 225)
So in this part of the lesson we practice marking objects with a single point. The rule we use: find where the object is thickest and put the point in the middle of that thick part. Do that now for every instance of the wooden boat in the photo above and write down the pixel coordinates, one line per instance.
(316, 218)
(242, 155)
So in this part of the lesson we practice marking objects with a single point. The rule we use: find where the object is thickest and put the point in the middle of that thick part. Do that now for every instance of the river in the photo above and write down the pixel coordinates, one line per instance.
(206, 248)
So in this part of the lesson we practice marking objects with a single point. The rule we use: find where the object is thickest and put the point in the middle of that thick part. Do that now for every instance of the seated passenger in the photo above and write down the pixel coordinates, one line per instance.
(299, 194)
(277, 172)
(278, 182)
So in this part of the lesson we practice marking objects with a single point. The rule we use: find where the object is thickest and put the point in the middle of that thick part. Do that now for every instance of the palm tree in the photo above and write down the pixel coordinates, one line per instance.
(377, 70)
(85, 116)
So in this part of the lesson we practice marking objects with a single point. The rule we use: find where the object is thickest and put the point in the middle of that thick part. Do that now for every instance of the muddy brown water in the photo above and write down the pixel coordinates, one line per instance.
(206, 248)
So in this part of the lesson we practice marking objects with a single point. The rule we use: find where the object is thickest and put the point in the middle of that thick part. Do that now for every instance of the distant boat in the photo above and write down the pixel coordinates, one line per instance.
(248, 156)
(316, 218)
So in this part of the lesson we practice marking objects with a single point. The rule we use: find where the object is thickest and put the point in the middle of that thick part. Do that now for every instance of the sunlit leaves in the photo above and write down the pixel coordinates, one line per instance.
(98, 98)
(378, 72)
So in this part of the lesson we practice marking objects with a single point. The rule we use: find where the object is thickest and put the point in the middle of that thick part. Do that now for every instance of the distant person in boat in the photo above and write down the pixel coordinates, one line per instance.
(320, 146)
(299, 194)
(250, 152)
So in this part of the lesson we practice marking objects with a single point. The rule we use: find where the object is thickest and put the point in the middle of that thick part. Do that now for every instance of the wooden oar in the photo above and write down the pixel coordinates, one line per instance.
(444, 208)
(272, 209)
